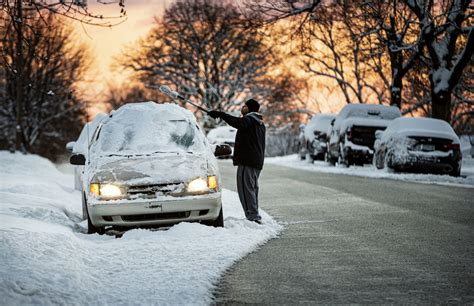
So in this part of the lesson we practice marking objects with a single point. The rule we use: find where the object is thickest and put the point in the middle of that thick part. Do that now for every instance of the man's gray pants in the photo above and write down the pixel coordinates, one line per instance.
(247, 187)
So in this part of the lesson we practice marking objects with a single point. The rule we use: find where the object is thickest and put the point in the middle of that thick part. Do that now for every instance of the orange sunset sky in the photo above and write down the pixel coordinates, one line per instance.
(106, 43)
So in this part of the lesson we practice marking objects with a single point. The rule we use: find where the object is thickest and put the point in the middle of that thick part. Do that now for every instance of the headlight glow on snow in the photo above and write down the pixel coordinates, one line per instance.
(198, 185)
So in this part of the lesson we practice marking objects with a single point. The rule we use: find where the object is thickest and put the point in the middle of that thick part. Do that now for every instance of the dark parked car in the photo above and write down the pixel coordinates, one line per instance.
(223, 135)
(353, 132)
(419, 145)
(315, 138)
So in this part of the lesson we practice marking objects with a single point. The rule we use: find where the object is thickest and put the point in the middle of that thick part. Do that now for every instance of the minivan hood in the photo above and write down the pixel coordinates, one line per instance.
(143, 170)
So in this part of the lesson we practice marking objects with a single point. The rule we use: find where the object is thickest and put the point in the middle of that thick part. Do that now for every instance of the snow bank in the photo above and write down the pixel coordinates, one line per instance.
(46, 259)
(466, 179)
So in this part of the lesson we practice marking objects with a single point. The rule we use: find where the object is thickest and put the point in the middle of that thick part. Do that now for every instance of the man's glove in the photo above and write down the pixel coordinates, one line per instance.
(214, 114)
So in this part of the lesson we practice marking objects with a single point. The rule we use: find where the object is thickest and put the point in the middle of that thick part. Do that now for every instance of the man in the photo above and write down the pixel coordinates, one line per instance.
(249, 153)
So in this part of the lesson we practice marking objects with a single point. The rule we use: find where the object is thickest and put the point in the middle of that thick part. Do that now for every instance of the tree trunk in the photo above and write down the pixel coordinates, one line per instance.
(441, 105)
(396, 92)
(19, 74)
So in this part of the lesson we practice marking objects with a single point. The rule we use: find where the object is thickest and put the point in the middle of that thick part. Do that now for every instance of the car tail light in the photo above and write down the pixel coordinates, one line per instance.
(452, 146)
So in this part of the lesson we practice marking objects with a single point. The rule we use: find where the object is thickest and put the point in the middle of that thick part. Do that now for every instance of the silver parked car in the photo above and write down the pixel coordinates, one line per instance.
(315, 137)
(150, 165)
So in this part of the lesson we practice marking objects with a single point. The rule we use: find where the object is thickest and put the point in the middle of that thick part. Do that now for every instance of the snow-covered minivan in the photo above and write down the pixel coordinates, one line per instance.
(419, 145)
(353, 132)
(150, 165)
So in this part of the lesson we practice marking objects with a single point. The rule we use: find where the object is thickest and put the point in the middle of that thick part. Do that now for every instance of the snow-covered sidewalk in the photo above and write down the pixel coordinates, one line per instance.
(46, 259)
(466, 179)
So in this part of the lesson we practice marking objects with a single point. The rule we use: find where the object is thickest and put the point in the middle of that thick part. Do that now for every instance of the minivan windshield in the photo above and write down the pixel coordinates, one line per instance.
(141, 137)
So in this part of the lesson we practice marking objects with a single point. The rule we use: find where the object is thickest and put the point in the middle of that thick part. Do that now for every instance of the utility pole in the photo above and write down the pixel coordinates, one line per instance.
(19, 73)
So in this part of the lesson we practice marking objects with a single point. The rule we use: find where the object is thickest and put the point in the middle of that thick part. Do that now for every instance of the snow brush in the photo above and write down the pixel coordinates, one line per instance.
(174, 95)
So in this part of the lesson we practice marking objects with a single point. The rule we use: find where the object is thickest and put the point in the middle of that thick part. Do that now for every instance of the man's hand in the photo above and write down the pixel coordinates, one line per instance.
(214, 114)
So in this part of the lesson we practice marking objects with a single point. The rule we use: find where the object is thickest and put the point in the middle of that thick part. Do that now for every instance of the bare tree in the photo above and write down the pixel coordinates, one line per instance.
(335, 50)
(118, 95)
(205, 50)
(15, 14)
(392, 30)
(274, 10)
(51, 65)
(444, 25)
(393, 44)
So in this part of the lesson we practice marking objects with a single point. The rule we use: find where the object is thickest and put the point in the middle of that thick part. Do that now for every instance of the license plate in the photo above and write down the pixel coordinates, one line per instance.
(426, 147)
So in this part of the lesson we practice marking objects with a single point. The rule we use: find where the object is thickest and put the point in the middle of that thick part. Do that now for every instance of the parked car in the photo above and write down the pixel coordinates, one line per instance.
(419, 145)
(353, 132)
(301, 142)
(150, 164)
(223, 135)
(314, 142)
(80, 146)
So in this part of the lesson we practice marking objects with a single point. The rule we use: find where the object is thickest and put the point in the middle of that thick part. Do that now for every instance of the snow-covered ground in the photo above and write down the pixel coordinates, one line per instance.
(47, 259)
(466, 179)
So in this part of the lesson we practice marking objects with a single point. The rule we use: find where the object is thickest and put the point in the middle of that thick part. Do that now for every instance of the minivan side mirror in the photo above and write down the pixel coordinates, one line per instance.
(332, 121)
(222, 150)
(378, 134)
(77, 159)
(70, 146)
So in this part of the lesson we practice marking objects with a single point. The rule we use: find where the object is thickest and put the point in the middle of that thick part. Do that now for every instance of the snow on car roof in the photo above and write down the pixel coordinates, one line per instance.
(222, 132)
(320, 122)
(149, 127)
(88, 130)
(360, 112)
(428, 127)
(369, 110)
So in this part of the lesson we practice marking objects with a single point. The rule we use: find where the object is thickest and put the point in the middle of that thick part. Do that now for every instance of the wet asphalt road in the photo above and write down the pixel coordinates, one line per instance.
(356, 240)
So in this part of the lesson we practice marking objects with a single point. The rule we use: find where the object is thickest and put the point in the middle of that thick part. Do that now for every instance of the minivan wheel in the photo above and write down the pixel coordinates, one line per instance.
(219, 222)
(91, 228)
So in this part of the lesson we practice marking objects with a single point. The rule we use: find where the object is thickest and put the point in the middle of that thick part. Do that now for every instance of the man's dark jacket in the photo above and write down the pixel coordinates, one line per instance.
(249, 149)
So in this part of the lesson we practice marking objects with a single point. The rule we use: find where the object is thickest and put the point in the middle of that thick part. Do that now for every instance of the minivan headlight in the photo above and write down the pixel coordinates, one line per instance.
(198, 185)
(107, 191)
(201, 185)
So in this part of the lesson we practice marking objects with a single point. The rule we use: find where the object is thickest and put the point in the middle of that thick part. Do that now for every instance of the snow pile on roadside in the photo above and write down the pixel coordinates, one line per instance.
(47, 260)
(466, 179)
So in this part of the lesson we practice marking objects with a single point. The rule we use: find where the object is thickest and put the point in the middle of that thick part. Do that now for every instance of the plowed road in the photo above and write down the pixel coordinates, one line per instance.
(356, 240)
